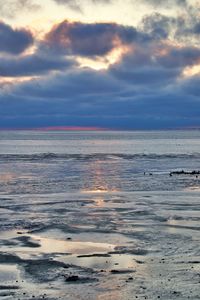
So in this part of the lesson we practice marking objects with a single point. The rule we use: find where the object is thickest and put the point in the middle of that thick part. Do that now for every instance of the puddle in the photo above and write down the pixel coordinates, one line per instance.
(114, 261)
(9, 274)
(75, 247)
(28, 243)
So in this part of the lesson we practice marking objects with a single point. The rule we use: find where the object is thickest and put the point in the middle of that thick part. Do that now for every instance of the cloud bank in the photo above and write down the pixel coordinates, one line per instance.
(103, 74)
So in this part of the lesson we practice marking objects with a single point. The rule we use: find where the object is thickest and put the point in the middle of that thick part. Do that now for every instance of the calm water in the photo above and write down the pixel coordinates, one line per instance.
(112, 195)
(44, 162)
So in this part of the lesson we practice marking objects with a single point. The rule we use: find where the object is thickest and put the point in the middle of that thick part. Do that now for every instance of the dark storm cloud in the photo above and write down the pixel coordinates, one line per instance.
(192, 86)
(141, 91)
(89, 39)
(197, 28)
(144, 88)
(180, 57)
(156, 63)
(142, 67)
(73, 84)
(86, 104)
(147, 75)
(14, 41)
(31, 65)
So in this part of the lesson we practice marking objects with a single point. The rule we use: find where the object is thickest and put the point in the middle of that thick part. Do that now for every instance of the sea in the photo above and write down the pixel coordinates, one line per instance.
(100, 214)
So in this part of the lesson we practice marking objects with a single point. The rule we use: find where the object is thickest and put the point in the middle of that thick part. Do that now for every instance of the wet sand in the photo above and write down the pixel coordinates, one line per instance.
(100, 245)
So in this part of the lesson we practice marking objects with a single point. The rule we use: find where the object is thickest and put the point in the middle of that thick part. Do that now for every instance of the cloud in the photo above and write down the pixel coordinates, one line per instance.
(74, 83)
(186, 25)
(98, 100)
(180, 57)
(10, 8)
(156, 66)
(31, 65)
(166, 3)
(143, 88)
(83, 39)
(14, 41)
(157, 25)
(73, 4)
(78, 5)
(179, 24)
(197, 28)
(192, 86)
(142, 67)
(188, 29)
(86, 97)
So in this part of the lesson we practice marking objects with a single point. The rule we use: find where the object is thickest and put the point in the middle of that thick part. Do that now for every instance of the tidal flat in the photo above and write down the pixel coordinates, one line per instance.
(100, 246)
(99, 215)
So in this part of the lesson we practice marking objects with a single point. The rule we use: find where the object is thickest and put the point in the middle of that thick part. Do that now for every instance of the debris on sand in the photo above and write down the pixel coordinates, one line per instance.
(72, 278)
(78, 279)
(8, 287)
(182, 172)
(118, 271)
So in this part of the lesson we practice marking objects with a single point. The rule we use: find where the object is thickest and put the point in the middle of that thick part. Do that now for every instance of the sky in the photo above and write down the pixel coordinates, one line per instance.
(115, 64)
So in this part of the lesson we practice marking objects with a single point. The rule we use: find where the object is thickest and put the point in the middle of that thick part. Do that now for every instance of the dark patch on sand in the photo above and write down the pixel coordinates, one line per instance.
(9, 258)
(118, 271)
(28, 242)
(126, 250)
(79, 279)
(9, 287)
(94, 255)
(44, 271)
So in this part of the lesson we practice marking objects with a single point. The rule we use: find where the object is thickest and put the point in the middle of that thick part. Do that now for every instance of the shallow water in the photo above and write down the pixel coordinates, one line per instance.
(101, 206)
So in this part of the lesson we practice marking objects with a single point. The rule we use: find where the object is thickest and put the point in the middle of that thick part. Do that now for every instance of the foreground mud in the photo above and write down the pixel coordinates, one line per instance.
(99, 245)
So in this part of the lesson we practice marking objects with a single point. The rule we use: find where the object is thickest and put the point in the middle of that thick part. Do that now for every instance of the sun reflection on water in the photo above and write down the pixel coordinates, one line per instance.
(100, 183)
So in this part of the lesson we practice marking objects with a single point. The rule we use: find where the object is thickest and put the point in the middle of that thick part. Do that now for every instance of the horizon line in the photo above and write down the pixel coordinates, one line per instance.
(93, 128)
(59, 128)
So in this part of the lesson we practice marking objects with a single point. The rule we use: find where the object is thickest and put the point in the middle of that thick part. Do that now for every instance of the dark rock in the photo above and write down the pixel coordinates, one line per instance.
(182, 172)
(114, 271)
(94, 255)
(78, 279)
(72, 278)
(8, 287)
